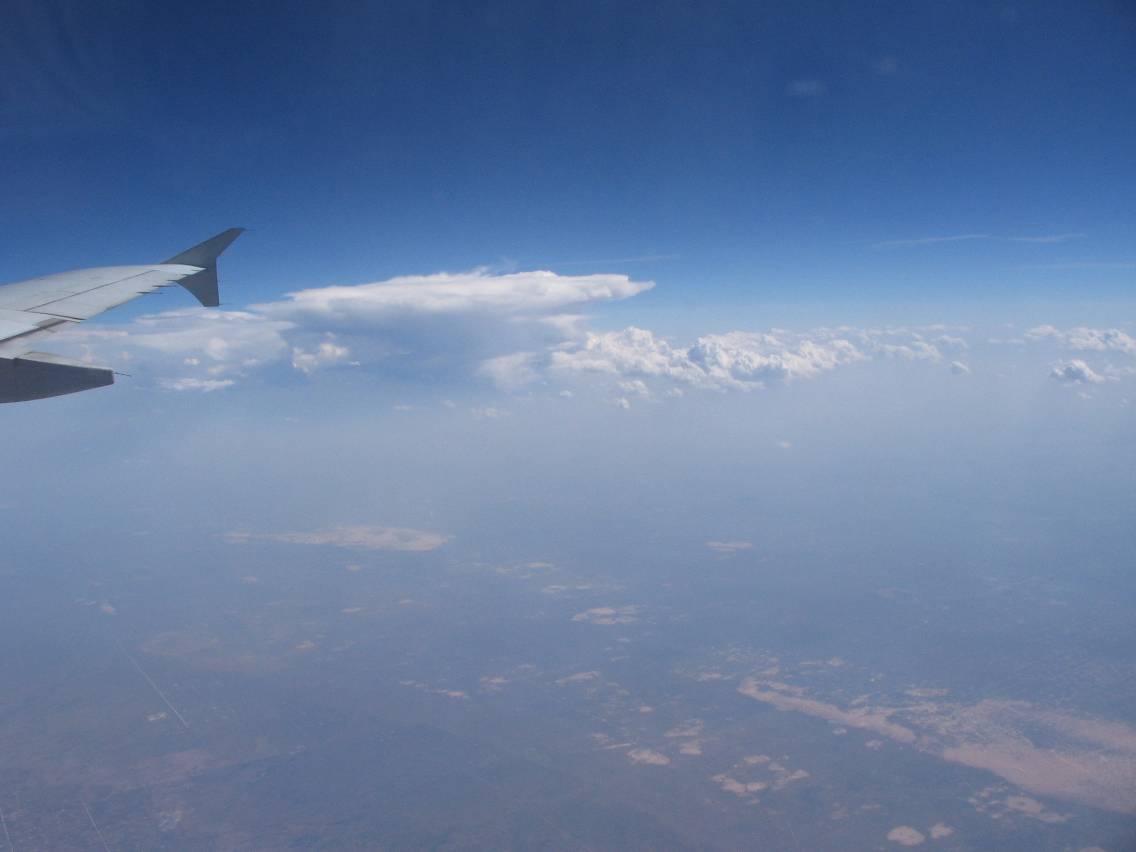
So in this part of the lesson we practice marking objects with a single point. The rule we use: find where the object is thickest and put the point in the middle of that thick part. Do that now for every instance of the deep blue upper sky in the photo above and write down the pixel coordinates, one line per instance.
(759, 149)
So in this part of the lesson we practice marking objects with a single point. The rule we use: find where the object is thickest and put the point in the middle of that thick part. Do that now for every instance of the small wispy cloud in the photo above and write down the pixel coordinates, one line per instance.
(190, 384)
(1042, 239)
(886, 66)
(1084, 265)
(729, 548)
(806, 89)
(607, 261)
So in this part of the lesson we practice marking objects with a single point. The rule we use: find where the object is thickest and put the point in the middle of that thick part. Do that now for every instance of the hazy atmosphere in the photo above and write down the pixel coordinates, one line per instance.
(626, 426)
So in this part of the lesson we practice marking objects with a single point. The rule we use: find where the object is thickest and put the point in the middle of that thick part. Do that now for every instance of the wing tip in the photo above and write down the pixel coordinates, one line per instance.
(206, 253)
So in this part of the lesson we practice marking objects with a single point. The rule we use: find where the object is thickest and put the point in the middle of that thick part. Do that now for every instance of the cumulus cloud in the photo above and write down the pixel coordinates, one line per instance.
(473, 322)
(632, 351)
(1075, 371)
(511, 330)
(1086, 339)
(739, 360)
(360, 537)
(326, 354)
(744, 360)
(748, 358)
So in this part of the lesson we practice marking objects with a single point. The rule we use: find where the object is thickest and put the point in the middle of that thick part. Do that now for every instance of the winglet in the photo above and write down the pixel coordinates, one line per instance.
(203, 285)
(206, 253)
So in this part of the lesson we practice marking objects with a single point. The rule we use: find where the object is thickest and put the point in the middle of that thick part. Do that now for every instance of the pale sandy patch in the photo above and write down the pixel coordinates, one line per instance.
(648, 756)
(905, 835)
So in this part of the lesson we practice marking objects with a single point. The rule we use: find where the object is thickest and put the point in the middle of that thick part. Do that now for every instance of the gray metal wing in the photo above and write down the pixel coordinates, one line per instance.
(31, 309)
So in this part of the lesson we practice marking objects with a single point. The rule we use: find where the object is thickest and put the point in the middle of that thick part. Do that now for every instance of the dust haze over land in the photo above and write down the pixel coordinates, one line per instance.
(536, 601)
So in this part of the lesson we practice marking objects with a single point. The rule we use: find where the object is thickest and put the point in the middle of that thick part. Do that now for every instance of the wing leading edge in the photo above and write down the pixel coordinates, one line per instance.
(31, 309)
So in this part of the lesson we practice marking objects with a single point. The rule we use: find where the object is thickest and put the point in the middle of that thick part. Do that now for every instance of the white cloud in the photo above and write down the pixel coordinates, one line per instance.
(510, 371)
(327, 354)
(190, 384)
(743, 360)
(510, 329)
(1086, 339)
(472, 322)
(632, 351)
(750, 358)
(1075, 371)
(478, 291)
(635, 387)
(213, 343)
(739, 360)
(959, 368)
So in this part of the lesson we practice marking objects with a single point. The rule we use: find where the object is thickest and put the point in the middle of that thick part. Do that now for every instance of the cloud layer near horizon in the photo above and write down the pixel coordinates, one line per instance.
(516, 330)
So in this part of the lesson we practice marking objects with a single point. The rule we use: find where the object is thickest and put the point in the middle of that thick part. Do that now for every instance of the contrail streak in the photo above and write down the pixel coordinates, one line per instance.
(154, 686)
(7, 836)
(94, 825)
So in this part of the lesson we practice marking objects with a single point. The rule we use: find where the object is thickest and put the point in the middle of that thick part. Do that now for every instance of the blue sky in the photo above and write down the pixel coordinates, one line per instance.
(755, 154)
(695, 171)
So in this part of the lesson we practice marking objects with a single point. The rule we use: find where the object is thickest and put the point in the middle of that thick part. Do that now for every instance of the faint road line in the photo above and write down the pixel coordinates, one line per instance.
(94, 825)
(153, 685)
(7, 836)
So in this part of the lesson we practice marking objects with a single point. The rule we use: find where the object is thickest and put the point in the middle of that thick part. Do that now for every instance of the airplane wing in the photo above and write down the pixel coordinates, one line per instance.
(31, 309)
